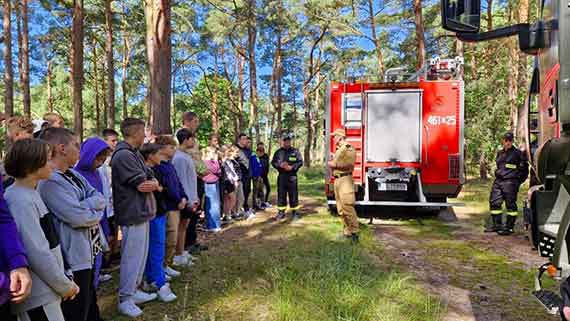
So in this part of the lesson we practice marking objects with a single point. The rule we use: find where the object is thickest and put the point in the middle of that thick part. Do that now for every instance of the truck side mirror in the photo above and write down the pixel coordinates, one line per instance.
(461, 15)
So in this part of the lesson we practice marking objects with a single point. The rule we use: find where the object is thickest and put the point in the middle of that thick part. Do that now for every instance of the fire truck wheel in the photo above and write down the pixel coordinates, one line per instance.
(332, 210)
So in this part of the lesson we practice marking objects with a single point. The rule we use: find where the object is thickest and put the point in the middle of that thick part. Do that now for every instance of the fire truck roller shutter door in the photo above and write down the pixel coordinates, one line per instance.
(393, 126)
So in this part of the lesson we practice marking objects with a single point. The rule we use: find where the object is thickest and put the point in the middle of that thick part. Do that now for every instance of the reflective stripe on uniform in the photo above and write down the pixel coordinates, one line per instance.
(513, 213)
(496, 212)
(281, 208)
(296, 208)
(511, 166)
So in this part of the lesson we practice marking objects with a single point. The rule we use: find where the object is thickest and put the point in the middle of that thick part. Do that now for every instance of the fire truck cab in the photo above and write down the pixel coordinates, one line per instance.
(408, 136)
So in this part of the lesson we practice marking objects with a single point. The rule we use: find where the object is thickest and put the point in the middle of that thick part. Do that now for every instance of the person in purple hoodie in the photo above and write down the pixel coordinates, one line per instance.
(15, 279)
(94, 152)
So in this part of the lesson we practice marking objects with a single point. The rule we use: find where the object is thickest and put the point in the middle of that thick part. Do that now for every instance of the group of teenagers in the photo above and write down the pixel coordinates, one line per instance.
(64, 206)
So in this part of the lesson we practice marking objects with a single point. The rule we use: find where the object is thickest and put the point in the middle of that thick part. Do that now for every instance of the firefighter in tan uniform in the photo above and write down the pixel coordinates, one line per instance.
(342, 166)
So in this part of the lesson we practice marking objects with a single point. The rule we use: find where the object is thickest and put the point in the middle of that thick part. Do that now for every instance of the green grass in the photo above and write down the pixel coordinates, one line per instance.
(336, 281)
(489, 275)
(289, 272)
(311, 183)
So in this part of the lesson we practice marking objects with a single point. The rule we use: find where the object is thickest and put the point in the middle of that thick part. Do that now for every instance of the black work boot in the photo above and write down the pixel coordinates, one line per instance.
(280, 215)
(496, 224)
(509, 227)
(296, 216)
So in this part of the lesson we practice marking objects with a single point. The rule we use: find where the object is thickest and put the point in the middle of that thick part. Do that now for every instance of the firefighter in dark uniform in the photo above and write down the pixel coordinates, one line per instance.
(287, 160)
(342, 165)
(511, 172)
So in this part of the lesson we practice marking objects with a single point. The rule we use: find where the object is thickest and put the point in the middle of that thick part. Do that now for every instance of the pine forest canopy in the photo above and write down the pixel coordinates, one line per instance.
(256, 66)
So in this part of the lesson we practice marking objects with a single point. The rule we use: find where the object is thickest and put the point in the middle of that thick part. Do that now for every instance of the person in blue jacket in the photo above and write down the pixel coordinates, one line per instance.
(15, 279)
(170, 196)
(257, 180)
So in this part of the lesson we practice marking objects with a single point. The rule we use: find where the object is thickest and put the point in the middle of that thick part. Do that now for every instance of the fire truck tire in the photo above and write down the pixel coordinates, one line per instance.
(332, 210)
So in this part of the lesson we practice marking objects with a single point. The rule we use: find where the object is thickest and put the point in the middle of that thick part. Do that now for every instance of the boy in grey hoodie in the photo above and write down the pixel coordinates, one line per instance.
(27, 162)
(78, 209)
(133, 185)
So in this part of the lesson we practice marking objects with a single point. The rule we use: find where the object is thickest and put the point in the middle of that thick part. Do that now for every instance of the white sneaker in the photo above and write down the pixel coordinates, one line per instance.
(251, 216)
(165, 294)
(130, 309)
(172, 273)
(105, 278)
(141, 297)
(187, 255)
(182, 261)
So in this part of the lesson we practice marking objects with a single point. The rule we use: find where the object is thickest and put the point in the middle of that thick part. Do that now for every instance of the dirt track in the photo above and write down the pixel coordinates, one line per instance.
(480, 298)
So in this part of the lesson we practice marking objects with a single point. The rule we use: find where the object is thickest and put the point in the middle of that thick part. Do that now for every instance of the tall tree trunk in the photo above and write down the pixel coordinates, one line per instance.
(489, 15)
(110, 65)
(159, 52)
(309, 127)
(126, 58)
(376, 39)
(315, 124)
(25, 76)
(473, 62)
(521, 112)
(482, 166)
(96, 80)
(252, 41)
(459, 51)
(77, 35)
(18, 10)
(49, 87)
(512, 76)
(241, 90)
(8, 69)
(125, 65)
(215, 118)
(274, 93)
(280, 85)
(294, 118)
(279, 64)
(105, 117)
(420, 37)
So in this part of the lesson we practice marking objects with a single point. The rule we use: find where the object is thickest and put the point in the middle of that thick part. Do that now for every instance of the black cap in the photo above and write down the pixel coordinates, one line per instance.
(509, 136)
(286, 136)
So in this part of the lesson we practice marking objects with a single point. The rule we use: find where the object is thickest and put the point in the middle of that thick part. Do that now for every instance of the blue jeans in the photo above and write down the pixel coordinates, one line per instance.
(97, 270)
(154, 270)
(213, 207)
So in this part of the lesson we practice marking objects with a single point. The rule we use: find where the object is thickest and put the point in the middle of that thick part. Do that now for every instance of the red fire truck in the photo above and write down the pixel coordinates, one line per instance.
(408, 136)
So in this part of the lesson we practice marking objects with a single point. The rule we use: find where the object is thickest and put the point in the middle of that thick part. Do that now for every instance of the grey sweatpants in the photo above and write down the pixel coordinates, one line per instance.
(50, 311)
(134, 251)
